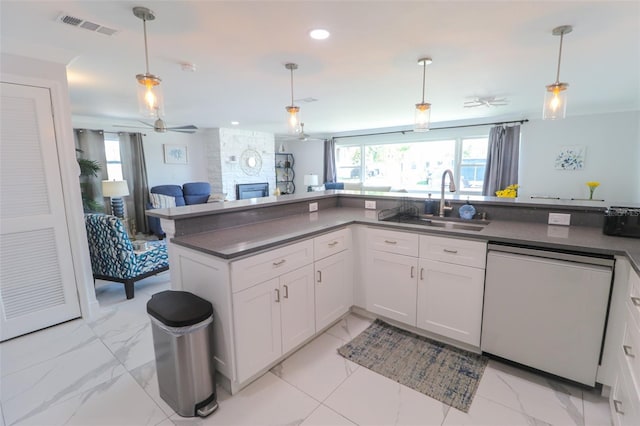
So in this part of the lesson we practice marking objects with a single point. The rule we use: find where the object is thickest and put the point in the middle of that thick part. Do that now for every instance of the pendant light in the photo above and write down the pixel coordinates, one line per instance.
(293, 119)
(150, 100)
(555, 99)
(423, 109)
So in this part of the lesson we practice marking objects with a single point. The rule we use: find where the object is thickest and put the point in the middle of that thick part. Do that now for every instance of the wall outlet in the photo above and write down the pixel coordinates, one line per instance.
(313, 207)
(559, 219)
(370, 204)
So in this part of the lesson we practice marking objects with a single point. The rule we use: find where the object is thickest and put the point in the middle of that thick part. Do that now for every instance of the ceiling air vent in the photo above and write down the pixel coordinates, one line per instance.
(87, 25)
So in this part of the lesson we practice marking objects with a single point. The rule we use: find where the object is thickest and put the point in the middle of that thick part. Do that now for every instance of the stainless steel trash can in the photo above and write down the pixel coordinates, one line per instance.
(182, 327)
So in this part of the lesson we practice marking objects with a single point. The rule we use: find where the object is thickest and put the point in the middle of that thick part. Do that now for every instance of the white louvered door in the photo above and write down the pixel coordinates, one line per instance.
(37, 279)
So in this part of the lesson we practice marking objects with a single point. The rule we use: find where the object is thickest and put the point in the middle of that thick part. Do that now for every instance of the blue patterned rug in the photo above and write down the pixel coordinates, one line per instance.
(443, 372)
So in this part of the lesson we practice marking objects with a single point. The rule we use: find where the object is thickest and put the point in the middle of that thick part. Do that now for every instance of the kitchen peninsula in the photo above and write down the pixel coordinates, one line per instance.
(278, 274)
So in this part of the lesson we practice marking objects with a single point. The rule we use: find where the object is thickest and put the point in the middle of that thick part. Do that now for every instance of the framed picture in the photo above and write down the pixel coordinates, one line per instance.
(175, 154)
(570, 158)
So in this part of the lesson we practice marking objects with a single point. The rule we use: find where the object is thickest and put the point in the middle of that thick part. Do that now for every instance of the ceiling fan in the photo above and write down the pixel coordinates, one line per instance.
(301, 136)
(487, 101)
(160, 127)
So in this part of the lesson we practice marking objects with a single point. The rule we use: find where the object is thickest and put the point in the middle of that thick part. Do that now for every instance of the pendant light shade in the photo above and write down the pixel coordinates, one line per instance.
(555, 98)
(293, 118)
(150, 99)
(423, 109)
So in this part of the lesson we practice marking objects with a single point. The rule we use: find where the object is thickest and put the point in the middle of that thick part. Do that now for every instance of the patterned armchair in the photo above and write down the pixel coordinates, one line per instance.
(112, 254)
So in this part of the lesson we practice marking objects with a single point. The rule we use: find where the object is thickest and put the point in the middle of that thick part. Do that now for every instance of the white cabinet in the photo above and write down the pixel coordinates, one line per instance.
(333, 276)
(450, 288)
(391, 274)
(272, 318)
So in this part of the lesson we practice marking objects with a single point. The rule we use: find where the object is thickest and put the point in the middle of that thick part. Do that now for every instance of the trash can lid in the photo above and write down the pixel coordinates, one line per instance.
(179, 308)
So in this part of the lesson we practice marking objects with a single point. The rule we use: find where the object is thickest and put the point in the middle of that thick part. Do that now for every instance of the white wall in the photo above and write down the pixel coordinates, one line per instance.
(160, 173)
(308, 159)
(612, 158)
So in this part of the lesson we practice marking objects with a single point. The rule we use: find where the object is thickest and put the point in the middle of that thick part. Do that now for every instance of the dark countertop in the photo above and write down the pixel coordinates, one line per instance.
(239, 241)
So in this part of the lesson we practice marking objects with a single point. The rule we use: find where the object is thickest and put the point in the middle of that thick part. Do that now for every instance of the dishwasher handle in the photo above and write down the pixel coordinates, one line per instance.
(551, 254)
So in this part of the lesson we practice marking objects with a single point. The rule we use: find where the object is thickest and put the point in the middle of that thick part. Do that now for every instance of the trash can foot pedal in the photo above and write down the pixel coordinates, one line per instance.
(207, 409)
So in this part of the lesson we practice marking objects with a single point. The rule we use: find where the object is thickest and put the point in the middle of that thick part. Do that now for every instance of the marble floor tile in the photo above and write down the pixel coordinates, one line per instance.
(367, 398)
(596, 409)
(349, 327)
(117, 319)
(535, 395)
(267, 401)
(316, 369)
(324, 416)
(31, 391)
(119, 401)
(43, 345)
(146, 377)
(133, 347)
(489, 413)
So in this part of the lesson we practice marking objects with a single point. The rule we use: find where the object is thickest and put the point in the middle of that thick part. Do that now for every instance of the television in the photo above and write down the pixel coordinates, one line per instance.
(251, 190)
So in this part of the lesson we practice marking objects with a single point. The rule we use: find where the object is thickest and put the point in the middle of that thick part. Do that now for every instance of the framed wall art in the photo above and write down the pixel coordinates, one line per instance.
(570, 158)
(175, 154)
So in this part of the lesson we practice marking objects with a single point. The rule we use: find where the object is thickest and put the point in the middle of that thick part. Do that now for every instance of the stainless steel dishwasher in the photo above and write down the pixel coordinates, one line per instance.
(546, 309)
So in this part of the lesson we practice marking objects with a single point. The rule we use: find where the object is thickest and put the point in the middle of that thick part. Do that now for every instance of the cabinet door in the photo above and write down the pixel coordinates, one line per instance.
(391, 285)
(450, 300)
(256, 316)
(333, 282)
(297, 307)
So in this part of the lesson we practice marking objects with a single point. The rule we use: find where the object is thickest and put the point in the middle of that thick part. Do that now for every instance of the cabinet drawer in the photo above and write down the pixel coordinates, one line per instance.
(631, 348)
(624, 401)
(331, 243)
(261, 267)
(634, 296)
(392, 241)
(453, 250)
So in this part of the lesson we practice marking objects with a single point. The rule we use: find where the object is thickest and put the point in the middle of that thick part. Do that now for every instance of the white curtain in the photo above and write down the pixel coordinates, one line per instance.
(502, 159)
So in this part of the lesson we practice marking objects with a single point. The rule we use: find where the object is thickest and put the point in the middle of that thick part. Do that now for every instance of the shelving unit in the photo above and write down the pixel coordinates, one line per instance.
(285, 173)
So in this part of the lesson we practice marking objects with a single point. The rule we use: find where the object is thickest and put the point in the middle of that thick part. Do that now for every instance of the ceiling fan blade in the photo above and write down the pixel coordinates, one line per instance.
(146, 124)
(178, 130)
(130, 127)
(188, 127)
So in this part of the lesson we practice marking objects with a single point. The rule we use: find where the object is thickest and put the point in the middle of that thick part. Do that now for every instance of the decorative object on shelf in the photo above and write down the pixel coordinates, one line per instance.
(555, 98)
(281, 149)
(510, 191)
(116, 189)
(570, 158)
(293, 119)
(251, 162)
(150, 98)
(423, 109)
(310, 181)
(592, 187)
(175, 154)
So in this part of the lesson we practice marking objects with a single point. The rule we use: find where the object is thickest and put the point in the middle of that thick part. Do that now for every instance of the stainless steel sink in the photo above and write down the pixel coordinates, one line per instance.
(451, 225)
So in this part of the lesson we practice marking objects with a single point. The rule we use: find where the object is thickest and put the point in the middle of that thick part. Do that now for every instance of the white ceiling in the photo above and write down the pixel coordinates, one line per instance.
(364, 76)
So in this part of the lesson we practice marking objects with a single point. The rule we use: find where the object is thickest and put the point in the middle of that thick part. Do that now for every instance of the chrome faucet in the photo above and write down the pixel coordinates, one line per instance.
(452, 188)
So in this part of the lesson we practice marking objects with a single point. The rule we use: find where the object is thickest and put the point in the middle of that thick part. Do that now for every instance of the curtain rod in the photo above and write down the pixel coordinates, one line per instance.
(526, 120)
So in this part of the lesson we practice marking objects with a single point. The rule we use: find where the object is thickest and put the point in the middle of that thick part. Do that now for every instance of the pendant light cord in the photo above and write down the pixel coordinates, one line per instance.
(292, 86)
(146, 53)
(424, 76)
(559, 58)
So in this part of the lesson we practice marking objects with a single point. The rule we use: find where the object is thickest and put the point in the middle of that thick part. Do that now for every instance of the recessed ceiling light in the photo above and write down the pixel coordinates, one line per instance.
(235, 123)
(319, 34)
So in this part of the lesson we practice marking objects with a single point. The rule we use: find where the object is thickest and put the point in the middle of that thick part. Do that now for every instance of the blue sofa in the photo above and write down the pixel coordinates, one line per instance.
(112, 255)
(187, 194)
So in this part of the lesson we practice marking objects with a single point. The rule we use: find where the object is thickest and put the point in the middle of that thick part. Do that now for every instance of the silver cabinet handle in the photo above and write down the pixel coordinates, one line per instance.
(333, 243)
(421, 274)
(286, 291)
(617, 405)
(319, 276)
(277, 295)
(635, 300)
(390, 242)
(412, 268)
(450, 251)
(279, 263)
(628, 351)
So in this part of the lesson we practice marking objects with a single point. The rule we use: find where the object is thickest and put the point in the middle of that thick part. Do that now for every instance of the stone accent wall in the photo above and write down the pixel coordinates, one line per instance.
(226, 151)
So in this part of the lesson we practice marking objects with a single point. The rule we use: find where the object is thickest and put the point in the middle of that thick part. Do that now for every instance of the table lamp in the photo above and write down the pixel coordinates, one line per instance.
(310, 181)
(115, 189)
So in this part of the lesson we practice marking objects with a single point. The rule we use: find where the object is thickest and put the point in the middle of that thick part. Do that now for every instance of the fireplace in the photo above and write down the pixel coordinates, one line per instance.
(251, 190)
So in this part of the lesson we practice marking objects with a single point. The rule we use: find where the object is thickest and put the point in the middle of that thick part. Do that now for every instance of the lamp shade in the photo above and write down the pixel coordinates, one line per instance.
(114, 188)
(311, 180)
(150, 97)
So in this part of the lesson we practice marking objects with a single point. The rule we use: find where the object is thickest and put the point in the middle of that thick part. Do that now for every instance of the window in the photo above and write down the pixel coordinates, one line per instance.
(415, 165)
(112, 153)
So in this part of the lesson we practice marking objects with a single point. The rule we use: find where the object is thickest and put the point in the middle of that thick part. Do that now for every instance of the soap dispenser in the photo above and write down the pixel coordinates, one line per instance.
(430, 206)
